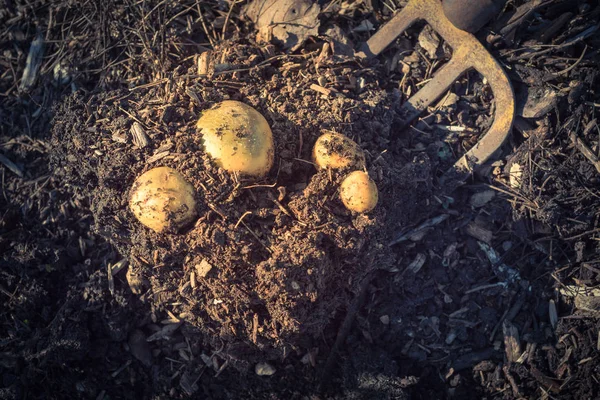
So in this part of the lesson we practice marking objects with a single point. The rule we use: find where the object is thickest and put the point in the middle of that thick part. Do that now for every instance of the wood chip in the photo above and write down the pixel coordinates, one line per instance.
(416, 265)
(255, 328)
(193, 279)
(120, 137)
(165, 332)
(544, 380)
(451, 337)
(203, 268)
(33, 63)
(204, 63)
(512, 344)
(552, 313)
(118, 266)
(325, 91)
(11, 166)
(539, 102)
(136, 281)
(264, 369)
(448, 100)
(139, 137)
(111, 282)
(480, 199)
(188, 383)
(429, 41)
(158, 156)
(480, 233)
(585, 150)
(423, 227)
(194, 96)
(139, 348)
(515, 175)
(207, 360)
(588, 303)
(501, 270)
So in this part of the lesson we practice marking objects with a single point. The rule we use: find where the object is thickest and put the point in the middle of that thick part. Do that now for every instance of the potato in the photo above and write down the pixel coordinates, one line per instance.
(238, 138)
(163, 200)
(334, 150)
(358, 192)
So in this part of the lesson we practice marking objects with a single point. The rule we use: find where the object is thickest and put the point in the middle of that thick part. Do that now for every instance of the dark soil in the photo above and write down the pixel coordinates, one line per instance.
(435, 294)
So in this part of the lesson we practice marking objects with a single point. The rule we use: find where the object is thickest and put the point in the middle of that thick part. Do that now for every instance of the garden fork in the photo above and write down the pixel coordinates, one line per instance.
(454, 21)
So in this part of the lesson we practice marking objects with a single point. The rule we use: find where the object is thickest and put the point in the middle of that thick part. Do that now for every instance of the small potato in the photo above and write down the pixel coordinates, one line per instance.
(163, 200)
(238, 137)
(358, 192)
(334, 150)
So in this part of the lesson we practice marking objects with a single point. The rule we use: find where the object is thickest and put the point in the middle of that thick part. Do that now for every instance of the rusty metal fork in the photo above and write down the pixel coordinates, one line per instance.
(468, 54)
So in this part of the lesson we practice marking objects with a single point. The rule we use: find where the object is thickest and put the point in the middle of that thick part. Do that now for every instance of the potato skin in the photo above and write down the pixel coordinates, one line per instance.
(337, 151)
(238, 138)
(358, 192)
(163, 200)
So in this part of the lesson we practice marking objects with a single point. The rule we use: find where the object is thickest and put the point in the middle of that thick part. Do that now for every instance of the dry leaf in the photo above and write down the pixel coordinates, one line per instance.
(290, 22)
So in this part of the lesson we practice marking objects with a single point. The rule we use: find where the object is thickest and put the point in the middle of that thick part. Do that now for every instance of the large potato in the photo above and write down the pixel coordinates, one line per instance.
(238, 138)
(163, 200)
(336, 151)
(358, 192)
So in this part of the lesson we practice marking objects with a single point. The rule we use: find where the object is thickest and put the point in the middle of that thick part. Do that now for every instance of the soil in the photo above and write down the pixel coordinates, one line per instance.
(277, 291)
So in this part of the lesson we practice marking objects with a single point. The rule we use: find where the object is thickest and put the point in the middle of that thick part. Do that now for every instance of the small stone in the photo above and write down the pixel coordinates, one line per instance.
(385, 319)
(264, 369)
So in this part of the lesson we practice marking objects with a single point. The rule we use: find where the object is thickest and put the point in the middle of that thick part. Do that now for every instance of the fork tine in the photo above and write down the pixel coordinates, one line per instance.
(389, 32)
(433, 90)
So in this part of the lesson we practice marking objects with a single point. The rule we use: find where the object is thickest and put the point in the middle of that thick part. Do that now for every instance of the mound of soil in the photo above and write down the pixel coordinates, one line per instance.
(268, 264)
